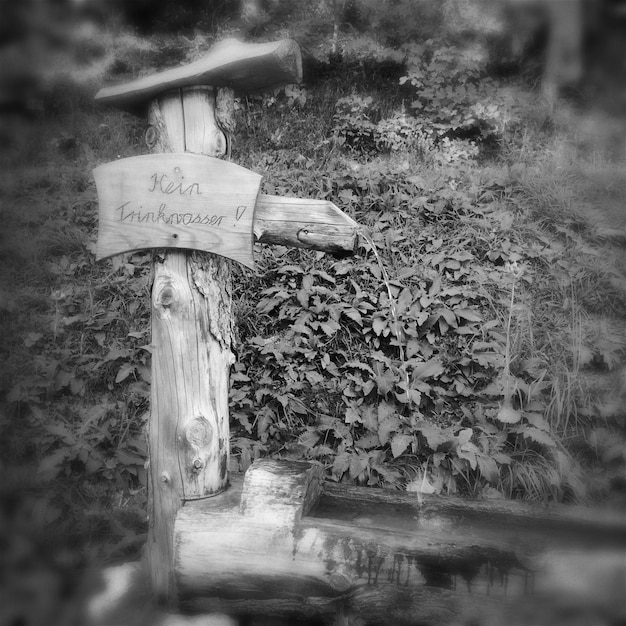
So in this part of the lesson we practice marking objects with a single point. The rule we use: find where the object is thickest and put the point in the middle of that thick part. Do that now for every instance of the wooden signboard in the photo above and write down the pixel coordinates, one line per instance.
(171, 200)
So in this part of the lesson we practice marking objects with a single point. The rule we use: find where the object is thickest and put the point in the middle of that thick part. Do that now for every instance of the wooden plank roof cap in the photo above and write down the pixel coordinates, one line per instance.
(245, 67)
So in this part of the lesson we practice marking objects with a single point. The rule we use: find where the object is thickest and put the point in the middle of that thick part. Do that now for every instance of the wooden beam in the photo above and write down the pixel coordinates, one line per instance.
(304, 223)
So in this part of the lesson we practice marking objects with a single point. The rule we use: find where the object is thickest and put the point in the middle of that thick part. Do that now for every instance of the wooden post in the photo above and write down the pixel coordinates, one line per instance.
(191, 338)
(179, 200)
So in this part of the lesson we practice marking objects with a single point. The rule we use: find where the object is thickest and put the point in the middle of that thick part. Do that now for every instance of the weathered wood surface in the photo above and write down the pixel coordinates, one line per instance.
(189, 201)
(383, 557)
(304, 223)
(191, 355)
(183, 200)
(245, 67)
(275, 492)
(508, 520)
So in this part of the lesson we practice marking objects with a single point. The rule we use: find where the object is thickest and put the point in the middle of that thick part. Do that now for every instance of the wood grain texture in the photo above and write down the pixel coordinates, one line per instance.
(304, 223)
(380, 557)
(176, 200)
(244, 67)
(191, 358)
(201, 129)
(280, 492)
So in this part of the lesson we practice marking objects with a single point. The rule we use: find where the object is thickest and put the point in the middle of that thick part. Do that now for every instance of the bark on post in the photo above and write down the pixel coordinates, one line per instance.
(191, 337)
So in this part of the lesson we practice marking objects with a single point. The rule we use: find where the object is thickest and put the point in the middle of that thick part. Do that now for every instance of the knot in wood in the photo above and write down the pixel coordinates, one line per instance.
(151, 136)
(166, 297)
(199, 434)
(220, 144)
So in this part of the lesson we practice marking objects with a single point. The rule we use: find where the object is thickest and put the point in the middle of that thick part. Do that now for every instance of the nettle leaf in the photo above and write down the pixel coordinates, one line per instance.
(445, 318)
(297, 407)
(367, 442)
(314, 377)
(488, 468)
(385, 409)
(239, 377)
(117, 353)
(387, 426)
(51, 465)
(405, 300)
(420, 317)
(537, 420)
(267, 305)
(464, 436)
(302, 296)
(341, 463)
(427, 369)
(309, 437)
(360, 366)
(290, 269)
(434, 435)
(493, 389)
(462, 255)
(264, 421)
(61, 431)
(391, 476)
(503, 459)
(385, 380)
(399, 444)
(380, 357)
(124, 372)
(352, 416)
(412, 348)
(128, 458)
(352, 314)
(468, 314)
(469, 453)
(358, 463)
(410, 395)
(379, 325)
(537, 435)
(348, 195)
(369, 417)
(307, 282)
(330, 327)
(325, 276)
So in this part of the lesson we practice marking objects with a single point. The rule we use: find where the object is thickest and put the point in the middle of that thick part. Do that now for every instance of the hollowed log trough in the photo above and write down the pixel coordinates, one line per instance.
(282, 542)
